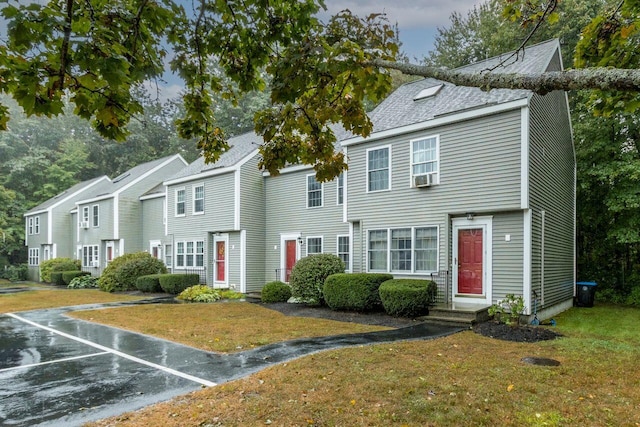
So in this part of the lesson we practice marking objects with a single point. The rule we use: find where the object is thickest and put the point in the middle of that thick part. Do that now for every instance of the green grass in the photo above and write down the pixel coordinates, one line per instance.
(463, 379)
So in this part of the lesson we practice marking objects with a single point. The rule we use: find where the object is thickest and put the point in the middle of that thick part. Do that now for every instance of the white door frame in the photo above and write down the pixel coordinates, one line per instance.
(221, 238)
(156, 244)
(283, 252)
(486, 224)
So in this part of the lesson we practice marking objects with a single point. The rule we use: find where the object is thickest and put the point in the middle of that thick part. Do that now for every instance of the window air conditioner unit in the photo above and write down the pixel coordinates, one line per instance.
(423, 180)
(95, 263)
(84, 224)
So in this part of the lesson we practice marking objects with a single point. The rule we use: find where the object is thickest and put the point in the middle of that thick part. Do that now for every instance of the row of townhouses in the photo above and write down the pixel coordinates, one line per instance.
(455, 182)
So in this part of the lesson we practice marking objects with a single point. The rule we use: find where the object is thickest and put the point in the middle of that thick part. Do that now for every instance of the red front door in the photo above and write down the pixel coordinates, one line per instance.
(290, 247)
(220, 256)
(470, 250)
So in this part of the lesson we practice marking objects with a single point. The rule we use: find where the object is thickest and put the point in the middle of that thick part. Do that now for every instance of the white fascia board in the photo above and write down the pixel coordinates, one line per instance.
(200, 176)
(96, 199)
(236, 200)
(524, 157)
(50, 226)
(440, 121)
(148, 173)
(55, 205)
(116, 217)
(291, 169)
(152, 196)
(36, 212)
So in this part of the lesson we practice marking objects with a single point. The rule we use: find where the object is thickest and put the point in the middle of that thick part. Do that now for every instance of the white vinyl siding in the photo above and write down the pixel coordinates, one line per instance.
(180, 202)
(425, 156)
(314, 192)
(379, 169)
(314, 245)
(198, 199)
(34, 256)
(403, 250)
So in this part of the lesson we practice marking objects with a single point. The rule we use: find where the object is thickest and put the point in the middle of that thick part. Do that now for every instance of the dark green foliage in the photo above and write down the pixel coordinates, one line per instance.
(308, 276)
(15, 273)
(122, 272)
(56, 278)
(68, 276)
(407, 297)
(275, 292)
(176, 283)
(149, 283)
(83, 282)
(57, 264)
(354, 291)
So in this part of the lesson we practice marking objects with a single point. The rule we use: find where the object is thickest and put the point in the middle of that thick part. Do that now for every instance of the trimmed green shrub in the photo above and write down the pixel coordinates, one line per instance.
(199, 293)
(68, 276)
(83, 282)
(407, 297)
(57, 264)
(308, 276)
(122, 272)
(230, 294)
(176, 283)
(275, 292)
(56, 278)
(354, 291)
(149, 283)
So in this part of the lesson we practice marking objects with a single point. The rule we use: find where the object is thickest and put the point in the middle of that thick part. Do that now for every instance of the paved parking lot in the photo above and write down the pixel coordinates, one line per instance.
(55, 370)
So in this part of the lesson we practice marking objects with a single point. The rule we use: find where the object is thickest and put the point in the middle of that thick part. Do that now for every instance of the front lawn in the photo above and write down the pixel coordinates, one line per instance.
(51, 298)
(463, 379)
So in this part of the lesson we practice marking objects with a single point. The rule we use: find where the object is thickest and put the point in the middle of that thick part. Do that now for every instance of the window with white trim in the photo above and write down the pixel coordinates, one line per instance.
(403, 250)
(180, 202)
(340, 196)
(424, 156)
(378, 169)
(168, 255)
(30, 222)
(96, 215)
(34, 256)
(188, 254)
(90, 256)
(314, 245)
(344, 250)
(85, 214)
(36, 225)
(314, 192)
(198, 199)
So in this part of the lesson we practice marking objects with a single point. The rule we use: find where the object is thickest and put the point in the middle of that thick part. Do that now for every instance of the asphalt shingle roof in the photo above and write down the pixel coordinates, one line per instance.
(66, 193)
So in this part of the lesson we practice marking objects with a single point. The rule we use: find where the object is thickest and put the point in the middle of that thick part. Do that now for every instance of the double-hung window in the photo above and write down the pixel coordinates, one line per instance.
(90, 256)
(424, 157)
(36, 225)
(200, 253)
(403, 250)
(96, 215)
(379, 169)
(314, 192)
(341, 189)
(85, 215)
(314, 245)
(34, 256)
(180, 254)
(168, 255)
(188, 254)
(30, 222)
(344, 250)
(198, 199)
(180, 202)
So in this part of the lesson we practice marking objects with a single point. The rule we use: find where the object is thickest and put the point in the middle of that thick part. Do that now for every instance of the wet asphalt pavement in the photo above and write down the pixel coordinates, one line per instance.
(55, 370)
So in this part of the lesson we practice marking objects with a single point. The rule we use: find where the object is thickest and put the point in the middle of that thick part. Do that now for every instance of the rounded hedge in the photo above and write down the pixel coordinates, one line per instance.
(57, 264)
(56, 278)
(149, 283)
(68, 276)
(354, 291)
(122, 272)
(407, 297)
(176, 283)
(308, 276)
(275, 292)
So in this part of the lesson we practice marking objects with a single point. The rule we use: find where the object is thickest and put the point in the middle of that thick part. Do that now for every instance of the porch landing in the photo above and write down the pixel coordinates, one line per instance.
(458, 313)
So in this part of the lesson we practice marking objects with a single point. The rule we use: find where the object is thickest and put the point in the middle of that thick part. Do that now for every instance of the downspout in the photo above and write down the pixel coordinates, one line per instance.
(542, 224)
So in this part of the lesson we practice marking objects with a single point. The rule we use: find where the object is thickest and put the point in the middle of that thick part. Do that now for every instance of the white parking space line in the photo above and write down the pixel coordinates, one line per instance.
(118, 353)
(66, 359)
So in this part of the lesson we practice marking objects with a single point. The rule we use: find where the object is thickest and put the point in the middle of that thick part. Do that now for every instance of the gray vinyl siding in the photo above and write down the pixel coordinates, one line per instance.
(104, 231)
(287, 213)
(552, 190)
(508, 257)
(152, 220)
(480, 172)
(252, 220)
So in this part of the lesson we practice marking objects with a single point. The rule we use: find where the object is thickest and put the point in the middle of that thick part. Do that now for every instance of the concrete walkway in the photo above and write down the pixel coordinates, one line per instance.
(55, 370)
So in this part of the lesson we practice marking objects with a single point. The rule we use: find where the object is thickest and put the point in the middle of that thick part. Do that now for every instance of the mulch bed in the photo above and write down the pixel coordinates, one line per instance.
(518, 334)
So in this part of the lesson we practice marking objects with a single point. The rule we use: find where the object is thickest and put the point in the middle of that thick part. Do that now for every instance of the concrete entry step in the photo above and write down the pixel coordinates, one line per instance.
(467, 314)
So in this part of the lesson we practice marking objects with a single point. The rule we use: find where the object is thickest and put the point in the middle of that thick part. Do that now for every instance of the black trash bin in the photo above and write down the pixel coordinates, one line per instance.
(585, 293)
